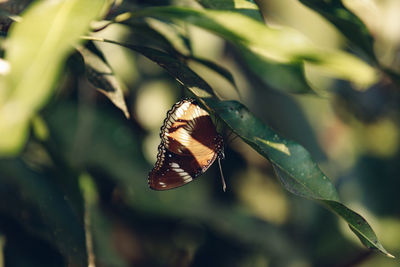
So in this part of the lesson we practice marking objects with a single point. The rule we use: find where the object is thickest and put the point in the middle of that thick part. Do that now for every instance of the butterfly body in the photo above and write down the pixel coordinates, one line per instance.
(189, 146)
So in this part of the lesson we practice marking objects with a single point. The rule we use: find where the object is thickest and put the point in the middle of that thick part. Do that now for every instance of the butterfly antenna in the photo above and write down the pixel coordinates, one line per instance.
(222, 175)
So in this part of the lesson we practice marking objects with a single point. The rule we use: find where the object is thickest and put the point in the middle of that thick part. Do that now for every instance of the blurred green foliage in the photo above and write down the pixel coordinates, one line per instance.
(51, 30)
(80, 118)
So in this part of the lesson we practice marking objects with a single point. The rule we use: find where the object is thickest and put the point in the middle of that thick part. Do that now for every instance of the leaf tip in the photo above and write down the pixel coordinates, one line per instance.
(127, 115)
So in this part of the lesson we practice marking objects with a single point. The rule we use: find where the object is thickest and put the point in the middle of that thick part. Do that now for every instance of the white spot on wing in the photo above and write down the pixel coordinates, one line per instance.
(182, 173)
(186, 176)
(174, 165)
(187, 179)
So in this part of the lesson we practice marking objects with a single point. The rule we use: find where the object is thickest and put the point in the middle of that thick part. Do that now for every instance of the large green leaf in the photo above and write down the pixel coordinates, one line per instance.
(293, 164)
(37, 47)
(269, 51)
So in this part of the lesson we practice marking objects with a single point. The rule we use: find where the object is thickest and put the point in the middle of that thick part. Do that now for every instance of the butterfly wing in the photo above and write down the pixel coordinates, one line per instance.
(189, 146)
(173, 170)
(188, 129)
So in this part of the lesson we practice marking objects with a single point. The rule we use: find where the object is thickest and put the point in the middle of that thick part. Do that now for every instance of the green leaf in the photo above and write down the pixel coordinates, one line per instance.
(271, 49)
(358, 225)
(43, 209)
(101, 75)
(37, 48)
(293, 164)
(346, 22)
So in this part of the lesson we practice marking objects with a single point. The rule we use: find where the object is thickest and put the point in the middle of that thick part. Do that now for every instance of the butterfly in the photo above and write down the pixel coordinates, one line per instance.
(189, 146)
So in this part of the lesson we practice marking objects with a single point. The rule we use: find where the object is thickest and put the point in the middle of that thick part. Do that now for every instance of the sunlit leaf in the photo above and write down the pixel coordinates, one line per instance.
(37, 47)
(284, 47)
